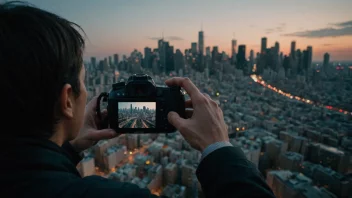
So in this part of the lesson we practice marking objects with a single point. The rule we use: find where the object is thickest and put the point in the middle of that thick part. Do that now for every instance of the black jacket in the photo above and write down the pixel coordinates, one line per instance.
(40, 168)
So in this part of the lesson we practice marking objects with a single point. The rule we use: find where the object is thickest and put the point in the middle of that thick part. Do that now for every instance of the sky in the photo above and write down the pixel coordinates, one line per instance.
(127, 105)
(120, 26)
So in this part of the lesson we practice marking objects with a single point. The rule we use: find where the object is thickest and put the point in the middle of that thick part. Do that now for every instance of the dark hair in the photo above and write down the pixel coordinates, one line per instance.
(40, 52)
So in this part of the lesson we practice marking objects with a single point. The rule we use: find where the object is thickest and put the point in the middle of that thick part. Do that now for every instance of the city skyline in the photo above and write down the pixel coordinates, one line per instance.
(127, 105)
(122, 26)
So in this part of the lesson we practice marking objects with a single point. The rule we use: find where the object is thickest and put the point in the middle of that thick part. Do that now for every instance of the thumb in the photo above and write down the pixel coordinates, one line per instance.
(175, 119)
(103, 134)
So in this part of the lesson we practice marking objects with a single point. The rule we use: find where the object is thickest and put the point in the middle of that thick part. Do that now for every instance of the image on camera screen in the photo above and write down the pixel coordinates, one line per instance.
(136, 114)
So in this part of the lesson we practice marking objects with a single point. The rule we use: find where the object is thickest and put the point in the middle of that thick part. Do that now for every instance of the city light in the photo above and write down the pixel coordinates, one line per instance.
(262, 82)
(147, 162)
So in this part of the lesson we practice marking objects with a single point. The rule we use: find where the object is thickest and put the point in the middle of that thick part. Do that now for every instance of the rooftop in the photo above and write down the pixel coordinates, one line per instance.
(293, 155)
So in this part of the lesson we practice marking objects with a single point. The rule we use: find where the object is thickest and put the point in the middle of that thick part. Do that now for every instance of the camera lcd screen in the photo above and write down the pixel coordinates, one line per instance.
(136, 114)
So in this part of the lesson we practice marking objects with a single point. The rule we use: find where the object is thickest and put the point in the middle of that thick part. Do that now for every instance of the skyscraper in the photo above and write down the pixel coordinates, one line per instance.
(276, 56)
(106, 64)
(310, 55)
(215, 52)
(286, 64)
(207, 51)
(241, 57)
(277, 48)
(233, 47)
(326, 63)
(194, 48)
(281, 58)
(163, 54)
(169, 59)
(305, 59)
(116, 59)
(300, 66)
(293, 50)
(101, 66)
(178, 59)
(251, 59)
(201, 42)
(110, 61)
(147, 57)
(160, 44)
(93, 61)
(264, 44)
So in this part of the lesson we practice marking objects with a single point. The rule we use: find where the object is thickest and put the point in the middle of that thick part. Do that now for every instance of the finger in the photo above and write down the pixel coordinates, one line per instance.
(104, 113)
(186, 84)
(176, 120)
(189, 113)
(103, 134)
(188, 104)
(207, 95)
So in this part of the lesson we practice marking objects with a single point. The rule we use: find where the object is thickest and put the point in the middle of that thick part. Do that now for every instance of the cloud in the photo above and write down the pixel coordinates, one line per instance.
(170, 38)
(344, 24)
(174, 38)
(327, 44)
(280, 28)
(341, 29)
(269, 30)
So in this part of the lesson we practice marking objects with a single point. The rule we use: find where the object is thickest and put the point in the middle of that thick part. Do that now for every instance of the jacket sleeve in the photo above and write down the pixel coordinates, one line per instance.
(96, 186)
(71, 153)
(227, 173)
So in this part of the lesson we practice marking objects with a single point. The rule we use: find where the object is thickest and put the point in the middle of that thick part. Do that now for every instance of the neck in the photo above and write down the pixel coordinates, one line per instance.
(59, 136)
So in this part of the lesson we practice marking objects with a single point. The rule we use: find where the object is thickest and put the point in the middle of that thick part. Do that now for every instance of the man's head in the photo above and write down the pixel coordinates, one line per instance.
(42, 73)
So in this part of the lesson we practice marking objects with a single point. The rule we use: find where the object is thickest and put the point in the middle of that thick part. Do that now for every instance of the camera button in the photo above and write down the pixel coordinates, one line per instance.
(159, 92)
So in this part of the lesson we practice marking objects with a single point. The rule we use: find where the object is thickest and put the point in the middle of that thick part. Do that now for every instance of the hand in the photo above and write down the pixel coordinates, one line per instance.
(89, 133)
(206, 125)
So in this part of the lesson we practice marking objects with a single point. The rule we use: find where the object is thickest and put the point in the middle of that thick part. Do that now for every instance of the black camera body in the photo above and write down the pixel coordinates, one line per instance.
(139, 106)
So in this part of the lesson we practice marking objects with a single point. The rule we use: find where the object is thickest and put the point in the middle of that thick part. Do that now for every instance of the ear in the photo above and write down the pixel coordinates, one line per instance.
(66, 101)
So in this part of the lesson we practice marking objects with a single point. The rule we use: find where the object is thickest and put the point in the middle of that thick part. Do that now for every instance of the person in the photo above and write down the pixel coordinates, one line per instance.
(47, 122)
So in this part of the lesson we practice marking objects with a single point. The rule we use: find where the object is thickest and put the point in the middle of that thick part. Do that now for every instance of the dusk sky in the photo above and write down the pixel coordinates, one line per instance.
(127, 105)
(119, 26)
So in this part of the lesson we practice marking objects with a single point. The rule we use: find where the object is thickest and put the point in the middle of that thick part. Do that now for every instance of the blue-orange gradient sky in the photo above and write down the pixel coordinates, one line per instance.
(119, 26)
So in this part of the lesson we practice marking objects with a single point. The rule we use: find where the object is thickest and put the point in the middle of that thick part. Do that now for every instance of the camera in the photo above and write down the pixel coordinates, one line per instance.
(139, 106)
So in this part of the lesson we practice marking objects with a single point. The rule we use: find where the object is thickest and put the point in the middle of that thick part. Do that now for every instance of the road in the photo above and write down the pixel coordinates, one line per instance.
(258, 79)
(136, 122)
